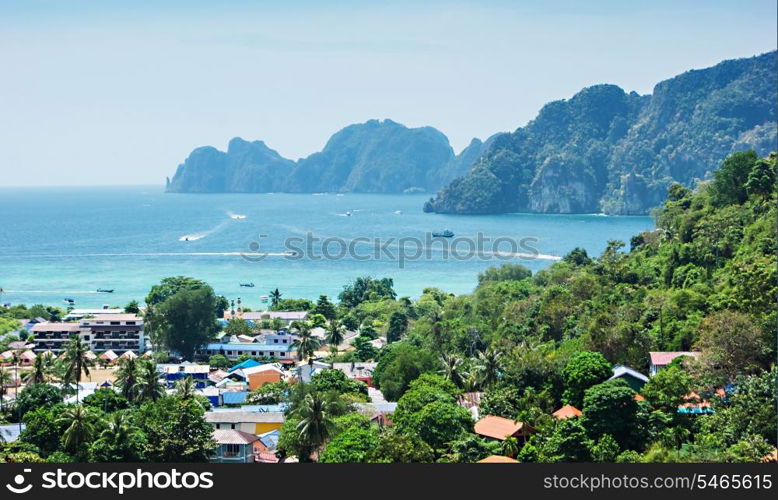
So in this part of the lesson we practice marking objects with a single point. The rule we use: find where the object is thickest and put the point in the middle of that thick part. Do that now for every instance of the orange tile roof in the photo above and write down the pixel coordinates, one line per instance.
(498, 459)
(567, 411)
(638, 397)
(499, 428)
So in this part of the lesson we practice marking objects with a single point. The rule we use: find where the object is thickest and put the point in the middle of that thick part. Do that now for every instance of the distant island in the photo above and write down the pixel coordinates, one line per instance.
(378, 156)
(603, 150)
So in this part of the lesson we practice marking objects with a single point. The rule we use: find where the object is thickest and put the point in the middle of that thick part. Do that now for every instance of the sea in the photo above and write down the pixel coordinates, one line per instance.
(69, 242)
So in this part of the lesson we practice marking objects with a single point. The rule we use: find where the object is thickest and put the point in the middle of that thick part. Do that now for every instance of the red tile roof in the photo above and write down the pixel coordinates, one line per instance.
(567, 411)
(499, 427)
(498, 459)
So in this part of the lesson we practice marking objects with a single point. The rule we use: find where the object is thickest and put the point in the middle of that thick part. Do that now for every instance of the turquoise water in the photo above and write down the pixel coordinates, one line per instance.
(68, 242)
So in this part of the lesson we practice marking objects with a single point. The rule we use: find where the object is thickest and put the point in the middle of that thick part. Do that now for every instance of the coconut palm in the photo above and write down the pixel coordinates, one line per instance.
(316, 425)
(453, 369)
(118, 429)
(489, 366)
(127, 378)
(334, 337)
(185, 388)
(275, 298)
(80, 424)
(41, 371)
(149, 387)
(306, 344)
(77, 361)
(5, 380)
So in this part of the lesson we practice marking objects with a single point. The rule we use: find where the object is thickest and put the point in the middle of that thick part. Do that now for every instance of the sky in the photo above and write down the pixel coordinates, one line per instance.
(98, 93)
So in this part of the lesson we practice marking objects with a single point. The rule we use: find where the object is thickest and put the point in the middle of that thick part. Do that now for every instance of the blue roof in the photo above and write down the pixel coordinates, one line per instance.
(270, 439)
(234, 398)
(279, 408)
(245, 364)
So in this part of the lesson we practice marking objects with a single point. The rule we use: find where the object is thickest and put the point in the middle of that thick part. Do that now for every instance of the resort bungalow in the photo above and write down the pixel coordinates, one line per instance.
(567, 411)
(10, 357)
(234, 446)
(253, 422)
(660, 359)
(108, 357)
(499, 428)
(633, 378)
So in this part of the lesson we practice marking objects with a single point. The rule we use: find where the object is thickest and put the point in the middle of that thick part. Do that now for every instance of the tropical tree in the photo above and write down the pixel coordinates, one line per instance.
(510, 447)
(489, 366)
(316, 425)
(120, 441)
(41, 371)
(148, 384)
(306, 344)
(127, 378)
(80, 424)
(185, 388)
(453, 369)
(334, 336)
(275, 298)
(77, 361)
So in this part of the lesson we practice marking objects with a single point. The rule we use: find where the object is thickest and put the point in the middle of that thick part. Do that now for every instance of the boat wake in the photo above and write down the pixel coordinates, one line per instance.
(199, 236)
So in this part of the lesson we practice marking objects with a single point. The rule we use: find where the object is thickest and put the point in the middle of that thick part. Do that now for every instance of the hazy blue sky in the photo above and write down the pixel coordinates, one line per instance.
(111, 94)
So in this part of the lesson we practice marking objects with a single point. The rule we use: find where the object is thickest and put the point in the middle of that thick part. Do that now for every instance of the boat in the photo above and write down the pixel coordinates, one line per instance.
(69, 300)
(247, 285)
(105, 290)
(444, 234)
(348, 214)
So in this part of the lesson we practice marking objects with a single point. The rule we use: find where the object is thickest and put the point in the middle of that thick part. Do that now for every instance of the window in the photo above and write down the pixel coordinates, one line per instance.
(231, 450)
(232, 426)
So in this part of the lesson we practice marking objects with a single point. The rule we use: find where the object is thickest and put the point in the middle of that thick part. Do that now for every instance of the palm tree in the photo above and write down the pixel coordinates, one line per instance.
(127, 378)
(185, 388)
(316, 425)
(77, 361)
(275, 298)
(306, 344)
(5, 379)
(41, 371)
(118, 430)
(334, 337)
(510, 447)
(79, 423)
(452, 369)
(150, 388)
(489, 365)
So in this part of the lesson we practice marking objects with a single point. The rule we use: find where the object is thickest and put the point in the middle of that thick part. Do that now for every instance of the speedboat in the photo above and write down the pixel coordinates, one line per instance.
(105, 290)
(444, 234)
(247, 285)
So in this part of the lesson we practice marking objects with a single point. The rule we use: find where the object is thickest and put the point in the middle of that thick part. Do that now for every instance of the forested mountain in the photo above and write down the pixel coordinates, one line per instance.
(371, 157)
(605, 150)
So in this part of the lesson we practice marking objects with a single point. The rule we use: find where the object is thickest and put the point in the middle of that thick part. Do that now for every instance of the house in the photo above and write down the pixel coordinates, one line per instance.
(283, 352)
(307, 370)
(362, 371)
(633, 378)
(288, 317)
(173, 372)
(83, 313)
(498, 459)
(660, 359)
(217, 376)
(567, 411)
(245, 364)
(494, 427)
(268, 441)
(234, 398)
(26, 358)
(234, 446)
(108, 357)
(253, 422)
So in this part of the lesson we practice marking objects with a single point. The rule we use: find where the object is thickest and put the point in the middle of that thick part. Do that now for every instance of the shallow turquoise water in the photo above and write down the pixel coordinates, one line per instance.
(68, 242)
